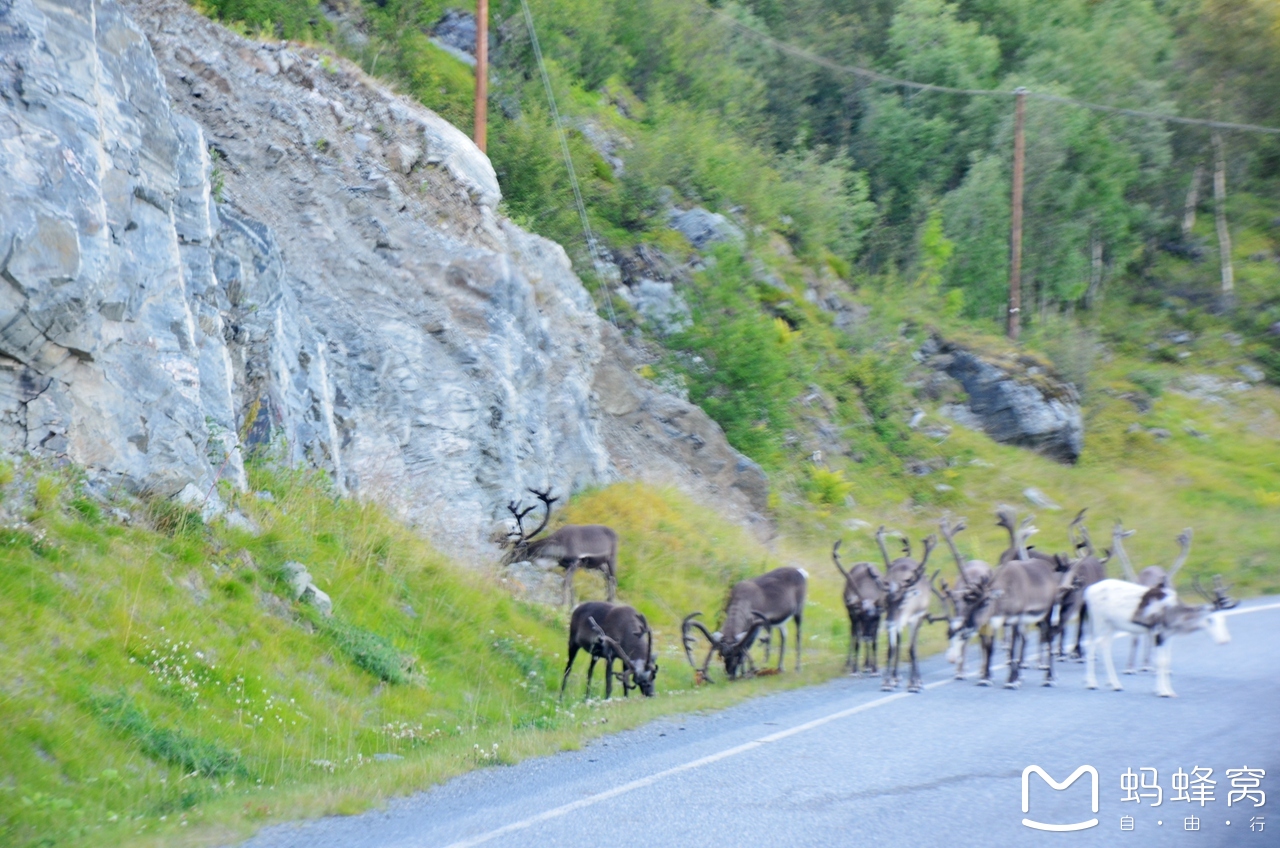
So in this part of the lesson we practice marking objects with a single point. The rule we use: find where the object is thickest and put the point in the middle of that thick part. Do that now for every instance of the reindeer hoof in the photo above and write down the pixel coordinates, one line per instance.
(984, 682)
(1129, 671)
(959, 676)
(915, 688)
(1091, 686)
(1016, 684)
(1117, 688)
(1050, 683)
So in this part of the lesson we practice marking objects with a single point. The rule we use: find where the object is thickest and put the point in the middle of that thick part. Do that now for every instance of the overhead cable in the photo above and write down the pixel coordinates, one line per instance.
(885, 79)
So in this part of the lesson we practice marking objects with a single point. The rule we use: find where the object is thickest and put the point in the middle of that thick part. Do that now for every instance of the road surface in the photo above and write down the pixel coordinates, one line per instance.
(845, 764)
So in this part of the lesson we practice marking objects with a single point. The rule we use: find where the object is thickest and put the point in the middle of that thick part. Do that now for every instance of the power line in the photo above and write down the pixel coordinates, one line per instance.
(885, 79)
(568, 163)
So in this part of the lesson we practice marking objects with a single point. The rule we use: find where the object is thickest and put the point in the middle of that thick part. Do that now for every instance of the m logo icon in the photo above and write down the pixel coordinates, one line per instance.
(1026, 797)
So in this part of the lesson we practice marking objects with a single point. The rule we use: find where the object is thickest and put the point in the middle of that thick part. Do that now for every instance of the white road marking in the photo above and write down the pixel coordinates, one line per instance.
(592, 800)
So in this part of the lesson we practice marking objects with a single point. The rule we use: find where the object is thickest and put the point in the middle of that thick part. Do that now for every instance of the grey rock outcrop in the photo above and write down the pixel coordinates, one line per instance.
(1015, 402)
(702, 227)
(335, 285)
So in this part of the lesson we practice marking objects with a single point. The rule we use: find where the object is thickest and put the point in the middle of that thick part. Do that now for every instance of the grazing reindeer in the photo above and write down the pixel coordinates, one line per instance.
(971, 573)
(863, 599)
(1126, 607)
(1077, 575)
(573, 546)
(1021, 593)
(764, 601)
(906, 604)
(612, 631)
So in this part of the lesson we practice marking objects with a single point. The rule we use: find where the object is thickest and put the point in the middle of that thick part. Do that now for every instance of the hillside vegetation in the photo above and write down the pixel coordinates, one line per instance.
(161, 686)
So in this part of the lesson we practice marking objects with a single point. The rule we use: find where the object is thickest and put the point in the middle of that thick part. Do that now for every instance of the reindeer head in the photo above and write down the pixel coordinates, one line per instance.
(741, 627)
(1219, 600)
(516, 540)
(639, 671)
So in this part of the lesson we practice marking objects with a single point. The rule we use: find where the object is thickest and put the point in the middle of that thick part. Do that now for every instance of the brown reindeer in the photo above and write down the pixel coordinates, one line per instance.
(573, 546)
(764, 601)
(612, 631)
(864, 601)
(969, 574)
(906, 607)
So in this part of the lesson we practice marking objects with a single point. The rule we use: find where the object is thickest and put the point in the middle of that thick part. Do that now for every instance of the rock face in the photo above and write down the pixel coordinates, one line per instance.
(1015, 402)
(209, 245)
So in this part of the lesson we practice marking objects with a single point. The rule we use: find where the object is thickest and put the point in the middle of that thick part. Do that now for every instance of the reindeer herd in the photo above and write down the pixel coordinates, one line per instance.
(1026, 592)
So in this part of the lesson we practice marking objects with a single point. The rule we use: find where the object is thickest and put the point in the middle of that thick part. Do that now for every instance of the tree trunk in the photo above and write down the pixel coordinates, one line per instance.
(1220, 215)
(1193, 199)
(1095, 270)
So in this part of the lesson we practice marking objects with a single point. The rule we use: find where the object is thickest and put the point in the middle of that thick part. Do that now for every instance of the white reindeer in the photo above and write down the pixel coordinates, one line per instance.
(1120, 606)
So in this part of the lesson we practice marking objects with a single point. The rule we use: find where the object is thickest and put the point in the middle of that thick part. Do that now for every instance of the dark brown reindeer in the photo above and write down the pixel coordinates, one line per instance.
(863, 600)
(573, 546)
(764, 601)
(906, 607)
(612, 631)
(969, 574)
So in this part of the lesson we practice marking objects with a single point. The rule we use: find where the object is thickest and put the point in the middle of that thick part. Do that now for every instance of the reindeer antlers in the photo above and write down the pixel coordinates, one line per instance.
(514, 507)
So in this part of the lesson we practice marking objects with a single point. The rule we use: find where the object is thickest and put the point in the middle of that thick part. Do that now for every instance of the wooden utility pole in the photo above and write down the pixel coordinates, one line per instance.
(1220, 215)
(1193, 200)
(1015, 239)
(482, 73)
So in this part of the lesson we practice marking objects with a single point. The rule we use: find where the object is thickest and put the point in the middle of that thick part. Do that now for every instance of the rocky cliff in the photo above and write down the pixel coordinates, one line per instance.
(210, 245)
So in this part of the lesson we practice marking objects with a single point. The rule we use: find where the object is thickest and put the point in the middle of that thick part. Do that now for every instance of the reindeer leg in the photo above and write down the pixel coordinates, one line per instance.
(1048, 675)
(851, 659)
(1017, 650)
(608, 675)
(1091, 657)
(799, 645)
(1146, 654)
(1077, 654)
(590, 670)
(1164, 662)
(916, 683)
(782, 644)
(890, 678)
(568, 583)
(611, 578)
(1133, 651)
(1105, 644)
(988, 643)
(568, 667)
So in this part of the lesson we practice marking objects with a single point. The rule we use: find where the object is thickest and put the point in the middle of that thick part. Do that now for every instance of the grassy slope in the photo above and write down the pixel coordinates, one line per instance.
(133, 657)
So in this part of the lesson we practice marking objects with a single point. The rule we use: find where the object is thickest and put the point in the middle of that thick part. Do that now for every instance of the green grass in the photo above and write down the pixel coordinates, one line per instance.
(161, 687)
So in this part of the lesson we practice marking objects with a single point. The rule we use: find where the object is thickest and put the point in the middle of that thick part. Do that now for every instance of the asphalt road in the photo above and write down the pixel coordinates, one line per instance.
(845, 764)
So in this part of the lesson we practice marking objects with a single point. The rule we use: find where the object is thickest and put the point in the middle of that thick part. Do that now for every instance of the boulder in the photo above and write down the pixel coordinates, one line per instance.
(1015, 399)
(702, 227)
(296, 577)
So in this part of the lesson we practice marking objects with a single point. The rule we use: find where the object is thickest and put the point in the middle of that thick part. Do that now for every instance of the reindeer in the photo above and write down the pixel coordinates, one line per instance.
(1077, 575)
(1012, 552)
(1155, 579)
(863, 599)
(573, 546)
(612, 631)
(1127, 607)
(906, 605)
(764, 601)
(971, 573)
(1020, 593)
